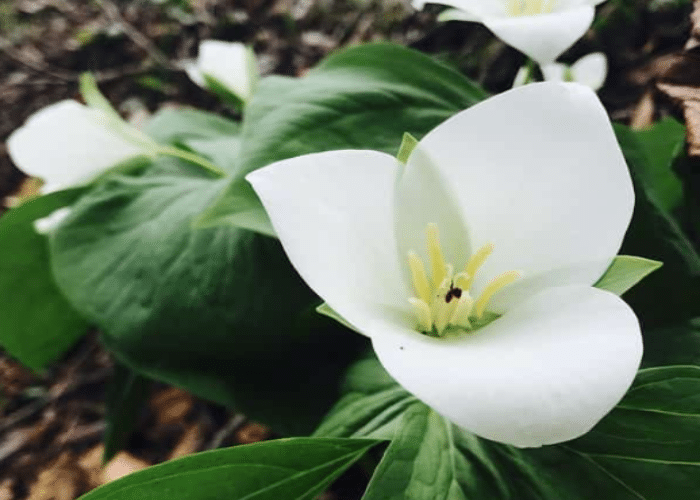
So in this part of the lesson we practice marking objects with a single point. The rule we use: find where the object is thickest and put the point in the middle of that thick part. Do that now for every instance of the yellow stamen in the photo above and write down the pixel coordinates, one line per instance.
(495, 285)
(476, 261)
(420, 279)
(437, 261)
(460, 316)
(423, 314)
(462, 281)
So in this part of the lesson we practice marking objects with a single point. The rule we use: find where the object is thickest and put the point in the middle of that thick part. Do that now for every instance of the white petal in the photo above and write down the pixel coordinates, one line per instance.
(545, 372)
(473, 9)
(333, 214)
(67, 144)
(47, 224)
(591, 70)
(457, 15)
(520, 77)
(229, 63)
(422, 197)
(554, 72)
(192, 69)
(540, 174)
(543, 37)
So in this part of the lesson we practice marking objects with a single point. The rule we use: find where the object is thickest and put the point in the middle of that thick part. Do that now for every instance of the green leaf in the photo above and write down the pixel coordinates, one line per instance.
(219, 311)
(654, 233)
(673, 345)
(364, 97)
(37, 324)
(408, 144)
(646, 448)
(625, 272)
(211, 135)
(294, 469)
(127, 394)
(661, 144)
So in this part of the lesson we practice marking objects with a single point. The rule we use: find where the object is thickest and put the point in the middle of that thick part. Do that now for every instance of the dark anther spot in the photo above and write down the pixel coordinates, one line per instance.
(453, 292)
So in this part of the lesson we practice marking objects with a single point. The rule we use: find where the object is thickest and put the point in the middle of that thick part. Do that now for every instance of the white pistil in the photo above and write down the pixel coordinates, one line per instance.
(495, 285)
(460, 317)
(443, 298)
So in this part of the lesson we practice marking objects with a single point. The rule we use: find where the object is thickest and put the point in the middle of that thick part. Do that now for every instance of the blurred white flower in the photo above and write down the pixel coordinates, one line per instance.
(67, 144)
(228, 65)
(541, 29)
(591, 71)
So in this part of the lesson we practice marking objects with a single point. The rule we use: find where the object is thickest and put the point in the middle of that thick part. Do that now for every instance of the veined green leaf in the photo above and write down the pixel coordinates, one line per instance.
(293, 469)
(646, 448)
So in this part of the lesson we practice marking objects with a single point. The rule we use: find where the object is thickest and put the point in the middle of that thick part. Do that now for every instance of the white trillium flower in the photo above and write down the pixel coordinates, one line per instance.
(229, 64)
(535, 178)
(67, 144)
(591, 70)
(541, 29)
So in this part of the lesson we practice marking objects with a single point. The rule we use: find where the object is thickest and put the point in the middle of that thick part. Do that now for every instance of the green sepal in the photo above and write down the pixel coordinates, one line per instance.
(625, 272)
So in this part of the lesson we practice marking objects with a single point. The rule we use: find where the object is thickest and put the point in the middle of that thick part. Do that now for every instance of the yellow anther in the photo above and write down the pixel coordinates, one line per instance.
(495, 285)
(437, 260)
(460, 316)
(423, 314)
(420, 279)
(477, 260)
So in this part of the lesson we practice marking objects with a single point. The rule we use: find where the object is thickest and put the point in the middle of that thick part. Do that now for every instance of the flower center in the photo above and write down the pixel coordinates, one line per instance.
(443, 300)
(517, 8)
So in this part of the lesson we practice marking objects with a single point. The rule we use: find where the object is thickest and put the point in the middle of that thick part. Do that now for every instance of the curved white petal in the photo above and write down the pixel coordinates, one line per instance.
(520, 77)
(554, 72)
(539, 173)
(543, 37)
(227, 62)
(422, 197)
(591, 70)
(457, 15)
(67, 144)
(545, 372)
(333, 214)
(473, 9)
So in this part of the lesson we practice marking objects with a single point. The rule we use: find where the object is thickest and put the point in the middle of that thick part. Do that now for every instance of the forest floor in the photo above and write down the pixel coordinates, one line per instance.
(52, 423)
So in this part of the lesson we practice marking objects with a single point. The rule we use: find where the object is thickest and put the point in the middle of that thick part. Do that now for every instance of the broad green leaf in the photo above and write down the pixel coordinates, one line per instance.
(218, 311)
(364, 97)
(206, 133)
(127, 394)
(37, 324)
(646, 448)
(293, 469)
(625, 272)
(371, 407)
(661, 144)
(674, 345)
(655, 234)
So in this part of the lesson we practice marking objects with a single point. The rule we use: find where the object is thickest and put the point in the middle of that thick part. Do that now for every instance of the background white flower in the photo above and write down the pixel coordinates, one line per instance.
(230, 64)
(590, 70)
(541, 29)
(555, 201)
(67, 144)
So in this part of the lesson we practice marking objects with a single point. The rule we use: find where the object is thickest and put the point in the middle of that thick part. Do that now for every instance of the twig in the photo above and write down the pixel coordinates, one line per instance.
(135, 35)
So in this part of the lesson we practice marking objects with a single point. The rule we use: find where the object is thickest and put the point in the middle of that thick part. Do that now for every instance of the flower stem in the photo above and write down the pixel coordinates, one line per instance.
(192, 158)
